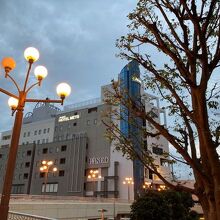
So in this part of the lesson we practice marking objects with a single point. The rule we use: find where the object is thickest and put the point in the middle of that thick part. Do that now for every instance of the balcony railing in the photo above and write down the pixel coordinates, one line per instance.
(22, 216)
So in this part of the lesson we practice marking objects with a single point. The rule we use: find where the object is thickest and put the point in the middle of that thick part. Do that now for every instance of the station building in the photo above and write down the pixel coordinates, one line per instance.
(74, 139)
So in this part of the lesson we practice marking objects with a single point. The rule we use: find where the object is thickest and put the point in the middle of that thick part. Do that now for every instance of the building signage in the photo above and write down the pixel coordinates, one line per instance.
(67, 118)
(98, 160)
(136, 79)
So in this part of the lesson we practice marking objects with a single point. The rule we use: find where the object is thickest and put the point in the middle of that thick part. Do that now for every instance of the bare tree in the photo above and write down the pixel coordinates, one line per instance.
(185, 35)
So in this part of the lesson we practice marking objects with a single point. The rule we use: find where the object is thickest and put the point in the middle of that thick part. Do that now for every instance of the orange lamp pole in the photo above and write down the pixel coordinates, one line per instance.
(17, 104)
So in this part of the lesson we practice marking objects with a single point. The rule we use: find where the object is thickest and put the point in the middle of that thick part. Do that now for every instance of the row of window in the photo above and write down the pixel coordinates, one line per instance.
(39, 132)
(43, 141)
(88, 122)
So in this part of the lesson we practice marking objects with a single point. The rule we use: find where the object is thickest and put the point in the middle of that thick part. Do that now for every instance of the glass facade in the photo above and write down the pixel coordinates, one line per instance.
(130, 125)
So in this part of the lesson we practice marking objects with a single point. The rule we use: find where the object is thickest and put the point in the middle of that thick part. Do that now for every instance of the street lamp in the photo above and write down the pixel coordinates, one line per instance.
(93, 176)
(128, 181)
(47, 167)
(17, 103)
(146, 186)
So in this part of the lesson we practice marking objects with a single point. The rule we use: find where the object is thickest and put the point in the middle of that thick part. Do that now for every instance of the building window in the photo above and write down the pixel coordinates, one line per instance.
(39, 132)
(47, 140)
(164, 162)
(45, 130)
(95, 121)
(28, 134)
(27, 164)
(74, 124)
(29, 153)
(50, 187)
(7, 137)
(43, 141)
(1, 155)
(61, 172)
(157, 150)
(35, 132)
(48, 130)
(38, 141)
(62, 160)
(75, 113)
(88, 122)
(25, 175)
(45, 150)
(61, 128)
(63, 148)
(27, 142)
(42, 174)
(90, 110)
(24, 134)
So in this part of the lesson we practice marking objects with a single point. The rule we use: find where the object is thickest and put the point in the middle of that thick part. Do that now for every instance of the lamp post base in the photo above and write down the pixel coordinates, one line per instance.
(4, 212)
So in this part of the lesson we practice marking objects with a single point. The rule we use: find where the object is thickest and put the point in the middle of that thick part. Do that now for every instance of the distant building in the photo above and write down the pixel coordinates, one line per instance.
(74, 139)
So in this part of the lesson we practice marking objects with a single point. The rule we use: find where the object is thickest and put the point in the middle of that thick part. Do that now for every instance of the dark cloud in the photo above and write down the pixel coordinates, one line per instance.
(76, 40)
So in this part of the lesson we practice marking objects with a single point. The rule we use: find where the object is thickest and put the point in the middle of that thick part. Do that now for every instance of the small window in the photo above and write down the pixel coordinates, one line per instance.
(75, 113)
(62, 160)
(24, 134)
(1, 155)
(27, 164)
(28, 134)
(61, 128)
(25, 175)
(29, 153)
(63, 148)
(90, 110)
(45, 150)
(45, 130)
(48, 130)
(42, 175)
(61, 172)
(157, 150)
(38, 141)
(95, 121)
(164, 162)
(35, 132)
(88, 122)
(47, 140)
(74, 124)
(51, 150)
(39, 132)
(43, 141)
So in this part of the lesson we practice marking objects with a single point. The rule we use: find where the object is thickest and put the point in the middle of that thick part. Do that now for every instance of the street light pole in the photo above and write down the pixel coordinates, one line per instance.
(46, 165)
(17, 103)
(128, 181)
(11, 165)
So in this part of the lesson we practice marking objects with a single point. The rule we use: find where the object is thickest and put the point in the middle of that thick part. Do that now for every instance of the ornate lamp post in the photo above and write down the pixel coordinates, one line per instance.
(47, 167)
(128, 181)
(17, 103)
(93, 176)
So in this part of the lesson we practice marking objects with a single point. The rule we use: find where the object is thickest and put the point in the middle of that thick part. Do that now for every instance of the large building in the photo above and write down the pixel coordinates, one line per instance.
(74, 139)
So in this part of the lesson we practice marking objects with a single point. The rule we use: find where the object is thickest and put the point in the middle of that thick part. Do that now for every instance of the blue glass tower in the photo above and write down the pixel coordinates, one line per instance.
(130, 85)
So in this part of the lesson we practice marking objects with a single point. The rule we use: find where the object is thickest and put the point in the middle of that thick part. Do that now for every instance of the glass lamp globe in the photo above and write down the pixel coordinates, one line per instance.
(49, 163)
(40, 72)
(54, 169)
(63, 90)
(8, 63)
(31, 54)
(13, 102)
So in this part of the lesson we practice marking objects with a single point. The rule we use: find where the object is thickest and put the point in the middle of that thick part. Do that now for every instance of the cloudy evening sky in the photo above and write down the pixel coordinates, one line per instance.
(76, 40)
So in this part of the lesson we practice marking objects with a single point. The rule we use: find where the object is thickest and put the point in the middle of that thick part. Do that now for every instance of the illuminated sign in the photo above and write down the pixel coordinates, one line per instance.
(136, 79)
(67, 118)
(98, 160)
